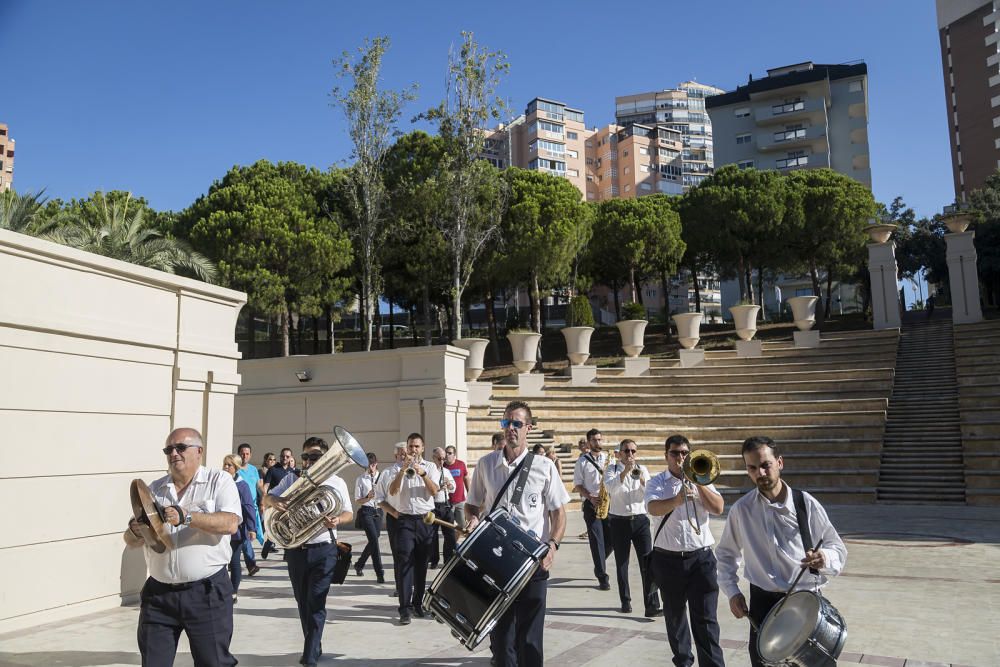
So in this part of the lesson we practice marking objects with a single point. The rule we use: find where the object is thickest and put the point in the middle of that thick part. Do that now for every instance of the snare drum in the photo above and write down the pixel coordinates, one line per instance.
(487, 572)
(806, 631)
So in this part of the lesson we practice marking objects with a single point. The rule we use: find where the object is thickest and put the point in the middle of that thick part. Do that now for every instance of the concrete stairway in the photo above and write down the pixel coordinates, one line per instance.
(922, 450)
(977, 363)
(825, 407)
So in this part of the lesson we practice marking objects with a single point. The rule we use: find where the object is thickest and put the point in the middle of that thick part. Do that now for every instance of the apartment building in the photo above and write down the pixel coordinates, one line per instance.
(802, 116)
(6, 158)
(631, 161)
(969, 32)
(682, 109)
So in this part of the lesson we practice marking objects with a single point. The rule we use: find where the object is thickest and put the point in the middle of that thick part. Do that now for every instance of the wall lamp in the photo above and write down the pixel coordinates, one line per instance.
(303, 376)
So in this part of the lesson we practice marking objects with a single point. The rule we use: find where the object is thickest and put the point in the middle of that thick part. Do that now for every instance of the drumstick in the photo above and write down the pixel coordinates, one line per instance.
(799, 576)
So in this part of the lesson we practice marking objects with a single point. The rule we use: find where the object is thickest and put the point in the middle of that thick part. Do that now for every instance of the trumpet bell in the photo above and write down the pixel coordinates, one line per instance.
(702, 467)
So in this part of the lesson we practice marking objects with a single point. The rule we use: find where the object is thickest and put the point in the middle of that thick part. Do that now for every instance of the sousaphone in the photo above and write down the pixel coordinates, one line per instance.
(154, 530)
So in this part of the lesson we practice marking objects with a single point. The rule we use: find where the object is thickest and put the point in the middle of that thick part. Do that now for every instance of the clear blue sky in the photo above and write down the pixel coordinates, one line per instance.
(163, 98)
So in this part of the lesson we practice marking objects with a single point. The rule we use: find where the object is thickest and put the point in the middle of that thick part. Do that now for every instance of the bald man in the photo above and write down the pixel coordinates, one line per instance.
(188, 588)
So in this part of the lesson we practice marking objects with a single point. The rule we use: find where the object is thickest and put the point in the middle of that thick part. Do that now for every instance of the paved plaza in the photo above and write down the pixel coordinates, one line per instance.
(921, 588)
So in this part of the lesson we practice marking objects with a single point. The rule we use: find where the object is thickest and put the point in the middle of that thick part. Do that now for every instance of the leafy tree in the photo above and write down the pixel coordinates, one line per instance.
(24, 213)
(475, 194)
(986, 208)
(542, 231)
(371, 117)
(274, 236)
(666, 246)
(697, 219)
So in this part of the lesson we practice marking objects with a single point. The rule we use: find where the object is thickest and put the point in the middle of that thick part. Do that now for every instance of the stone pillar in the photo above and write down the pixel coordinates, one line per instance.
(964, 278)
(885, 296)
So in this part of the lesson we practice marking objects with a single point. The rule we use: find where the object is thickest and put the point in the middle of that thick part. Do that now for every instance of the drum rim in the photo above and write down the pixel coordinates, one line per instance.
(811, 631)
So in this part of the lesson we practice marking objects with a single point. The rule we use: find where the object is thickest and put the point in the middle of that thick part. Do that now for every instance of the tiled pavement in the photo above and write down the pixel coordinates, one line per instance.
(922, 588)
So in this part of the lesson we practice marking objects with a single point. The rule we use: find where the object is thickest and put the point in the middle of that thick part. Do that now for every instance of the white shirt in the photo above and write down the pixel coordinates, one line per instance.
(543, 490)
(628, 498)
(363, 486)
(413, 497)
(339, 487)
(195, 554)
(446, 485)
(765, 536)
(586, 474)
(677, 533)
(382, 490)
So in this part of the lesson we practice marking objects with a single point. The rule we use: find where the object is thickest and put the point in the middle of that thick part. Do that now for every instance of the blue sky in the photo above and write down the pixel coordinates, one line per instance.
(163, 98)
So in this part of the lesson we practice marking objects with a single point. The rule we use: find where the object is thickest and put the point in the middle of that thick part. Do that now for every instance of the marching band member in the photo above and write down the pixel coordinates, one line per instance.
(414, 480)
(310, 566)
(370, 515)
(763, 530)
(443, 510)
(682, 562)
(626, 483)
(518, 637)
(587, 482)
(188, 589)
(389, 505)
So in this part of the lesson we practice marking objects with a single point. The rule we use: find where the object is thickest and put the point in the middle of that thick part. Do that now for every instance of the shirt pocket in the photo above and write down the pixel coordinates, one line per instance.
(207, 506)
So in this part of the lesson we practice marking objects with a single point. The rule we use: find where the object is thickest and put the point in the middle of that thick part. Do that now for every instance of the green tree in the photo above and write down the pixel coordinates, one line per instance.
(274, 236)
(697, 220)
(371, 119)
(986, 208)
(666, 246)
(24, 213)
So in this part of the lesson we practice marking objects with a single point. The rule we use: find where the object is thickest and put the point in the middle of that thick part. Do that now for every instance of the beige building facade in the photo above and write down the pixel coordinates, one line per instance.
(6, 159)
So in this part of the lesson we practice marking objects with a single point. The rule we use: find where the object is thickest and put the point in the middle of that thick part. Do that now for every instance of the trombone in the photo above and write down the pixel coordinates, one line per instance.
(701, 468)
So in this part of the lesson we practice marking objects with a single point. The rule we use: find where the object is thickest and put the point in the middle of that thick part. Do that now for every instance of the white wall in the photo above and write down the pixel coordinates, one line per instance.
(99, 360)
(379, 396)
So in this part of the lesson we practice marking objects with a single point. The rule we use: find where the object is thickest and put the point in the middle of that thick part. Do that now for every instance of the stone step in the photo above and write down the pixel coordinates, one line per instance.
(654, 410)
(625, 386)
(583, 423)
(595, 394)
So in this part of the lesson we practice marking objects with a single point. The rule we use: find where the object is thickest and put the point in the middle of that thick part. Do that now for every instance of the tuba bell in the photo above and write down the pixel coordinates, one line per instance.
(309, 502)
(702, 468)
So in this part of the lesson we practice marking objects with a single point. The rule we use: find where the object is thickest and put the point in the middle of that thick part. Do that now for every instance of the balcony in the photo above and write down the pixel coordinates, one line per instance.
(786, 140)
(812, 109)
(808, 161)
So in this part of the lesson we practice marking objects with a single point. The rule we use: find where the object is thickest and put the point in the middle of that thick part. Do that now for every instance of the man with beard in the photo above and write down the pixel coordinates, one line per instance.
(766, 529)
(587, 476)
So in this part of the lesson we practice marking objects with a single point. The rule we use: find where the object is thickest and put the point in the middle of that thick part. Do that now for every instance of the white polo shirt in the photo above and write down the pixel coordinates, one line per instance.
(363, 486)
(628, 498)
(446, 485)
(588, 475)
(195, 554)
(543, 491)
(339, 487)
(382, 490)
(677, 533)
(413, 496)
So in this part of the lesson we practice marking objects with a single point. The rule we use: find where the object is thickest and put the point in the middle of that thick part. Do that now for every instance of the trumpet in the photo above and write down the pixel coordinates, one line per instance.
(701, 468)
(636, 472)
(410, 472)
(431, 519)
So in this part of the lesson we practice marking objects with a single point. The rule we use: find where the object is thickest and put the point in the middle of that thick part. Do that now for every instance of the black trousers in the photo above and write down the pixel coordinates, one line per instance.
(626, 532)
(391, 528)
(444, 512)
(202, 609)
(517, 639)
(310, 569)
(413, 545)
(761, 602)
(690, 581)
(371, 523)
(599, 536)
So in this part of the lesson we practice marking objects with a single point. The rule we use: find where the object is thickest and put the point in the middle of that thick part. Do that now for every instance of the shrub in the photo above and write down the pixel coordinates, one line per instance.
(633, 311)
(579, 312)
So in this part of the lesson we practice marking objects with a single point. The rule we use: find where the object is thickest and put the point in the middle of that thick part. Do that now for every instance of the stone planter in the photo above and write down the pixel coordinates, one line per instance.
(577, 344)
(474, 362)
(958, 222)
(688, 329)
(804, 311)
(633, 336)
(524, 346)
(745, 319)
(880, 233)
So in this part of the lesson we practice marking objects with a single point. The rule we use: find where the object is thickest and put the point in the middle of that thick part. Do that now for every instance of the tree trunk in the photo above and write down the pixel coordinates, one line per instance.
(427, 314)
(760, 293)
(631, 284)
(741, 276)
(829, 290)
(618, 308)
(491, 324)
(536, 305)
(697, 289)
(456, 297)
(369, 311)
(450, 313)
(532, 305)
(749, 282)
(316, 321)
(285, 317)
(330, 344)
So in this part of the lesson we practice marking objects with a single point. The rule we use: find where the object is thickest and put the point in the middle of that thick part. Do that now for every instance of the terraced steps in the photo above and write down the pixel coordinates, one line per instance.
(977, 366)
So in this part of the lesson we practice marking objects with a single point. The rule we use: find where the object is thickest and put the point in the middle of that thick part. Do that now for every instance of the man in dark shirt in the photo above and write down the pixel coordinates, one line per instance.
(274, 475)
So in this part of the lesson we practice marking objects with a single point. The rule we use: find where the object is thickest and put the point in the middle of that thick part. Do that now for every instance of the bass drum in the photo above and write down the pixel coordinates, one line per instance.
(487, 572)
(806, 631)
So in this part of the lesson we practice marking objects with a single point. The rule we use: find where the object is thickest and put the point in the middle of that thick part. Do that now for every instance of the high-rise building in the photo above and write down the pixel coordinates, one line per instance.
(631, 161)
(969, 31)
(681, 109)
(6, 159)
(802, 116)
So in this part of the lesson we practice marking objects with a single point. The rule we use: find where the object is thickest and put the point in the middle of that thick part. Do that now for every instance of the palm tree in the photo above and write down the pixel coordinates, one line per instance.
(21, 213)
(120, 234)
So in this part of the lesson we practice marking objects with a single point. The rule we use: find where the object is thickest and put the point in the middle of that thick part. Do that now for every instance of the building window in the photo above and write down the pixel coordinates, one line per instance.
(572, 153)
(573, 172)
(571, 135)
(742, 112)
(792, 132)
(745, 164)
(628, 170)
(643, 150)
(645, 186)
(628, 187)
(854, 86)
(796, 159)
(788, 107)
(550, 146)
(743, 138)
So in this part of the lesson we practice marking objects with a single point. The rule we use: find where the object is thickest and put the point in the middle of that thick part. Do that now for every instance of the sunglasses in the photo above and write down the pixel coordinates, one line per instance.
(312, 456)
(680, 452)
(629, 451)
(516, 423)
(169, 449)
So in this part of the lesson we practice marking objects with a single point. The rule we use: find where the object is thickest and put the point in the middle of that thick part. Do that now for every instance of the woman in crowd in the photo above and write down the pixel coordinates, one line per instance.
(245, 531)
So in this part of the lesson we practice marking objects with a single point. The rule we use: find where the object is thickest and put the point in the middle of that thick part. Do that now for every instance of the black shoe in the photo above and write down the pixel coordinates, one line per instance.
(626, 608)
(653, 613)
(268, 548)
(381, 578)
(357, 568)
(394, 593)
(604, 586)
(252, 569)
(419, 612)
(404, 619)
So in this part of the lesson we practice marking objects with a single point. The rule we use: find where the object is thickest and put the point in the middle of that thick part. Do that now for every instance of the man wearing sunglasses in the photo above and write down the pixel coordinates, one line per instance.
(310, 566)
(517, 639)
(189, 588)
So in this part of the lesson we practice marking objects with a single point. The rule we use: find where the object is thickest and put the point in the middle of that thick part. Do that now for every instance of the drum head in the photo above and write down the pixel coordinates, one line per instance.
(783, 633)
(351, 446)
(154, 532)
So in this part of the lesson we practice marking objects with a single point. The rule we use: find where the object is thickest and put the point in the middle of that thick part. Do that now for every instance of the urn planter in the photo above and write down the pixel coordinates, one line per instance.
(577, 344)
(745, 319)
(688, 329)
(958, 222)
(524, 347)
(804, 311)
(633, 336)
(880, 233)
(474, 362)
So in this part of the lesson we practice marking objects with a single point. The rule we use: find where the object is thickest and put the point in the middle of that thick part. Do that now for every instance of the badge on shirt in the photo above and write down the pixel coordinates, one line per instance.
(533, 500)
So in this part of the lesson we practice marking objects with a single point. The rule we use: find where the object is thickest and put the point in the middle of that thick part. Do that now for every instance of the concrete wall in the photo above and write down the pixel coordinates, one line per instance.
(379, 396)
(99, 360)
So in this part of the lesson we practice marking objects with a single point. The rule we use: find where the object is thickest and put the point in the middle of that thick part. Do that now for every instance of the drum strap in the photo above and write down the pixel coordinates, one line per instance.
(521, 473)
(803, 519)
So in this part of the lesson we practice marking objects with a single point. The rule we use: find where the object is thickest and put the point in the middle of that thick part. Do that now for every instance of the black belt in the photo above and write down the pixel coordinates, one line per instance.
(679, 554)
(311, 546)
(627, 517)
(412, 517)
(188, 584)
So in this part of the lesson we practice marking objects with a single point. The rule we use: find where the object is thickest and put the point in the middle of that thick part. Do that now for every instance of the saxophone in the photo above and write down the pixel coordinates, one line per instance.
(603, 497)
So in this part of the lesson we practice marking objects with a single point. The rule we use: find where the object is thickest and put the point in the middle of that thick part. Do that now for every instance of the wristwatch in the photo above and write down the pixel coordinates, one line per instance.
(187, 519)
(555, 544)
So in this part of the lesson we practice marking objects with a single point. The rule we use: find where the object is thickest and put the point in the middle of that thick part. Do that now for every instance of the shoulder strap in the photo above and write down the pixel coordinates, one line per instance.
(660, 528)
(521, 473)
(803, 520)
(593, 462)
